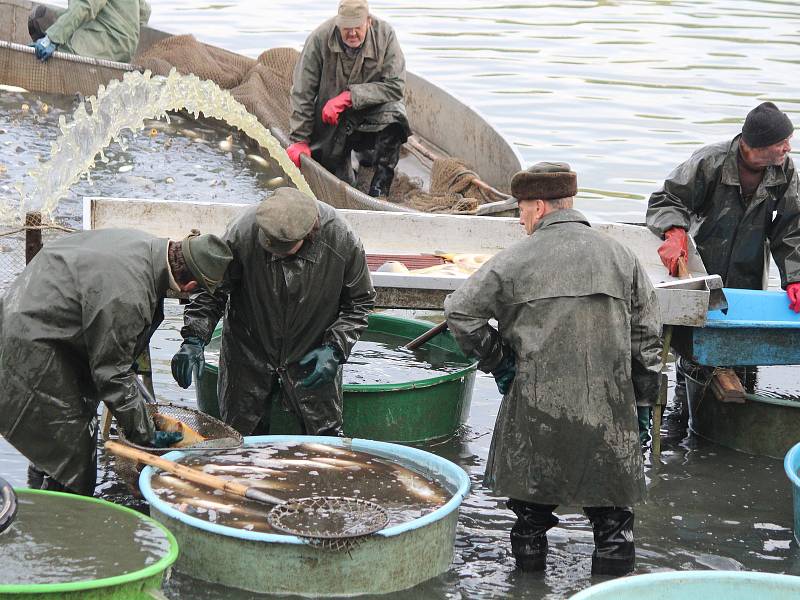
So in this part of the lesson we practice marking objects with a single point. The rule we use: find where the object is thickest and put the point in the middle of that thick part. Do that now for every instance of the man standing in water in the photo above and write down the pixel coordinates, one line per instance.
(575, 350)
(73, 323)
(97, 28)
(733, 197)
(298, 295)
(347, 94)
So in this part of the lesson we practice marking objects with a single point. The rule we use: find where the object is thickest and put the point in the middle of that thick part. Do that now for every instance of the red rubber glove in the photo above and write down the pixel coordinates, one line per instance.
(295, 150)
(675, 247)
(793, 291)
(335, 107)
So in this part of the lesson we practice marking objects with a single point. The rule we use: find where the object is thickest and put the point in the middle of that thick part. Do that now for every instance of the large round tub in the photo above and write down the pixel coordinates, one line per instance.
(393, 559)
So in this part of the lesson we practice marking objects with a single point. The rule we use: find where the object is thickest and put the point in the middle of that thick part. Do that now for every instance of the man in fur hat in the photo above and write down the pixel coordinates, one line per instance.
(575, 350)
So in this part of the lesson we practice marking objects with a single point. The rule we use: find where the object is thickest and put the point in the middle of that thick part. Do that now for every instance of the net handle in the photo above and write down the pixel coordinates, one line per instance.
(193, 475)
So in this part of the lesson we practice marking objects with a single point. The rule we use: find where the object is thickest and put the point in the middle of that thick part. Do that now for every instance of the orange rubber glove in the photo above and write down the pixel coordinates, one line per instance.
(793, 291)
(335, 107)
(295, 150)
(675, 247)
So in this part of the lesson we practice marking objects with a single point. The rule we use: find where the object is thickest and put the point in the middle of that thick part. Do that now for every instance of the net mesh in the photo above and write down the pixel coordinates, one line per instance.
(13, 240)
(219, 436)
(331, 523)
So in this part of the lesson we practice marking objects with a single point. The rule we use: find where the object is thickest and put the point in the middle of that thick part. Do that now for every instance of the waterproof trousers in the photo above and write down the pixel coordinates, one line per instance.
(379, 149)
(614, 552)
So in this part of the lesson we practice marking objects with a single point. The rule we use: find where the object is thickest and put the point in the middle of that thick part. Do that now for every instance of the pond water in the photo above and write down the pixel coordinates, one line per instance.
(57, 540)
(622, 90)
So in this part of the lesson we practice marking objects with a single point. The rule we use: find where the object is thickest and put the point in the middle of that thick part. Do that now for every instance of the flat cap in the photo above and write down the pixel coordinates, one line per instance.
(766, 125)
(545, 181)
(284, 218)
(352, 13)
(206, 257)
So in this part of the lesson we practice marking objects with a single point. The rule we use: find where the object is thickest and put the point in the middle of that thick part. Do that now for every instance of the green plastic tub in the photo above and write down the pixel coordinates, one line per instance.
(412, 411)
(142, 584)
(696, 585)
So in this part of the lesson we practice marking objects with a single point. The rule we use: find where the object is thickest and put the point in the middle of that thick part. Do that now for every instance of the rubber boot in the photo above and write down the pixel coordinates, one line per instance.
(614, 553)
(529, 534)
(381, 181)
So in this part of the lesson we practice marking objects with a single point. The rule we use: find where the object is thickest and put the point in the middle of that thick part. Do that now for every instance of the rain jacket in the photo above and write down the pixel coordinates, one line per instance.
(703, 196)
(72, 324)
(101, 28)
(277, 311)
(580, 316)
(376, 78)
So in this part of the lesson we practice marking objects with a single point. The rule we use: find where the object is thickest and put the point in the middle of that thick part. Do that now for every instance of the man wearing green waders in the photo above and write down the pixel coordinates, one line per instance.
(296, 299)
(575, 350)
(73, 323)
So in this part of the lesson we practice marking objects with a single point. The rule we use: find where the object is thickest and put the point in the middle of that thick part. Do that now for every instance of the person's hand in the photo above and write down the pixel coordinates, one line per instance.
(675, 247)
(165, 439)
(296, 150)
(326, 364)
(504, 374)
(793, 291)
(335, 107)
(44, 48)
(185, 359)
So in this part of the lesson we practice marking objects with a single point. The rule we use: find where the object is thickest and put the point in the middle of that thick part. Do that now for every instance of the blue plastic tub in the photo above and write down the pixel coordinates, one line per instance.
(791, 464)
(758, 328)
(696, 585)
(393, 559)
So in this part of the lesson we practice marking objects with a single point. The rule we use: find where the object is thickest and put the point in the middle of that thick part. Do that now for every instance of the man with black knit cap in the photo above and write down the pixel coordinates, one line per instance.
(575, 351)
(733, 197)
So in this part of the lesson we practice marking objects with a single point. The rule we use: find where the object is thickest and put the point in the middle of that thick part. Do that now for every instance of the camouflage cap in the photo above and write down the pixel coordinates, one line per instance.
(207, 258)
(352, 13)
(284, 218)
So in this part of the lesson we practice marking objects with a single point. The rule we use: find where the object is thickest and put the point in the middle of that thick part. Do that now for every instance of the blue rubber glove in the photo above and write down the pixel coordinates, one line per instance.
(44, 48)
(325, 367)
(186, 359)
(165, 439)
(643, 414)
(504, 374)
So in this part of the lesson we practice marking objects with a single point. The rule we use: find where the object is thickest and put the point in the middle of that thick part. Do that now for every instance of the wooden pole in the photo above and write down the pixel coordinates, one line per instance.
(431, 333)
(33, 235)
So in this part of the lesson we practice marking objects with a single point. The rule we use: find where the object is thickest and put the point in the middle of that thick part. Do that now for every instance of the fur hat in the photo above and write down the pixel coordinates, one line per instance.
(545, 181)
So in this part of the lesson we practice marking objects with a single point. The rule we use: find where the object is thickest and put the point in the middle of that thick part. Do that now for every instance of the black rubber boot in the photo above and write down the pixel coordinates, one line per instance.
(529, 534)
(614, 553)
(381, 181)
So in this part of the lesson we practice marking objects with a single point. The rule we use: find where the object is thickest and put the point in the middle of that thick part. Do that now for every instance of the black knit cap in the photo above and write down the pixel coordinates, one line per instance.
(766, 125)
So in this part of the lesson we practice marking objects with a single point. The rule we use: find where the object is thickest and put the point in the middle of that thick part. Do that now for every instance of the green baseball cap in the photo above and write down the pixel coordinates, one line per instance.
(284, 218)
(207, 257)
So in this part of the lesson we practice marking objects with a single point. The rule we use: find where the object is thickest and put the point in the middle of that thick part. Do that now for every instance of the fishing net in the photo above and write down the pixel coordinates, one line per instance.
(218, 436)
(331, 523)
(20, 243)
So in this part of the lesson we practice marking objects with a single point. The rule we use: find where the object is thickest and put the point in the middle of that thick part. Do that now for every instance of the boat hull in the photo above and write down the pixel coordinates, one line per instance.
(394, 559)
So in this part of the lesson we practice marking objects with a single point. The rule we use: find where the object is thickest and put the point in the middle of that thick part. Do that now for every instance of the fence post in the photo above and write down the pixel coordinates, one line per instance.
(33, 235)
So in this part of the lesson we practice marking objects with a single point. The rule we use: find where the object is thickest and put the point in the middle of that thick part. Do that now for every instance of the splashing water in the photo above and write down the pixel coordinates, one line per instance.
(126, 105)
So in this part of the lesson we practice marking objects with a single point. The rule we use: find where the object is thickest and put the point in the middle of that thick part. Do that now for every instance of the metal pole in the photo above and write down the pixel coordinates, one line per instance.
(33, 235)
(75, 58)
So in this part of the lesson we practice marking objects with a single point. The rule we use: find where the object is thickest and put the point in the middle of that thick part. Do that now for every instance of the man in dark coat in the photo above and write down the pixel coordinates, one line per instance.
(738, 199)
(298, 295)
(575, 350)
(73, 323)
(347, 94)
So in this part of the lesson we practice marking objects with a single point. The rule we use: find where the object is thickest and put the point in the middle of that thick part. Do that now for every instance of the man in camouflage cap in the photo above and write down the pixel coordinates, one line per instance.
(73, 323)
(298, 295)
(575, 350)
(348, 95)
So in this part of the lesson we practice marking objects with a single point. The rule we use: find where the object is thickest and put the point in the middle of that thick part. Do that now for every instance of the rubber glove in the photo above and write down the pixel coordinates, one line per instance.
(295, 150)
(793, 291)
(335, 107)
(185, 359)
(165, 439)
(44, 48)
(504, 374)
(675, 247)
(644, 413)
(325, 367)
